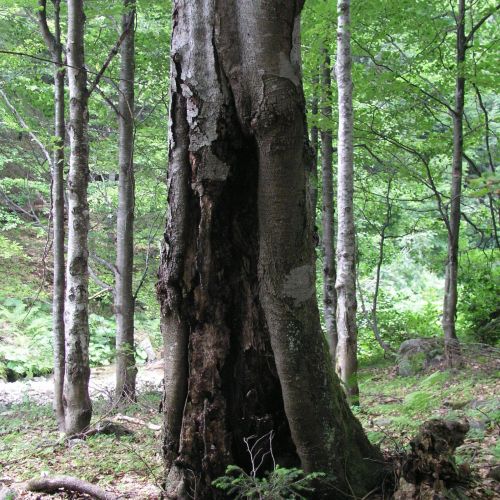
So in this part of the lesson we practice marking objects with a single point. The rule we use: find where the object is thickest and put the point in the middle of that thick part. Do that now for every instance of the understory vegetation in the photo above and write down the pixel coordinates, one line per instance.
(392, 408)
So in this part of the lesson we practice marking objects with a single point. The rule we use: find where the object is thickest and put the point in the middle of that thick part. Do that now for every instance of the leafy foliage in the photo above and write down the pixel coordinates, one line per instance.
(26, 339)
(280, 483)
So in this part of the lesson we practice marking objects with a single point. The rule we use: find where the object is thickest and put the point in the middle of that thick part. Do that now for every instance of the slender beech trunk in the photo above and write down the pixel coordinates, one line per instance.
(380, 261)
(77, 372)
(124, 300)
(347, 363)
(313, 177)
(452, 346)
(328, 212)
(53, 42)
(245, 354)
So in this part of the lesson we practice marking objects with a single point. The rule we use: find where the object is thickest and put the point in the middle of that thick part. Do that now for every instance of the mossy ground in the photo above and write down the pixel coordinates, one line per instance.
(129, 466)
(392, 408)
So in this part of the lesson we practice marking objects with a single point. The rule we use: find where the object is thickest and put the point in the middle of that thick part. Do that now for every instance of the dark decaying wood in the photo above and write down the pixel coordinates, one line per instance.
(244, 351)
(430, 470)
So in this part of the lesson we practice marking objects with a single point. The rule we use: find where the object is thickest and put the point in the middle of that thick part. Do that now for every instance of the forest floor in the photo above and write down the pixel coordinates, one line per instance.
(392, 408)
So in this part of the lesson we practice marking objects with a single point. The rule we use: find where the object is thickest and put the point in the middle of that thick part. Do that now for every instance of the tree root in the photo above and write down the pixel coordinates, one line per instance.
(68, 483)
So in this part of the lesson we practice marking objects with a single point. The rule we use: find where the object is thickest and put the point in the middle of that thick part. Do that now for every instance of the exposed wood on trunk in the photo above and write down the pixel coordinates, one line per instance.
(124, 300)
(77, 372)
(53, 42)
(328, 210)
(347, 364)
(220, 379)
(237, 271)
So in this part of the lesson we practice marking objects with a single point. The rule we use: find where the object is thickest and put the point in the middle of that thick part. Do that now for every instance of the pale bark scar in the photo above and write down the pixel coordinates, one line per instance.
(299, 284)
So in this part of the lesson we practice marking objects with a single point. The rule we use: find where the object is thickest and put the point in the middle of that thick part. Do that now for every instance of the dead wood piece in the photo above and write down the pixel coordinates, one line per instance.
(431, 462)
(68, 483)
(132, 420)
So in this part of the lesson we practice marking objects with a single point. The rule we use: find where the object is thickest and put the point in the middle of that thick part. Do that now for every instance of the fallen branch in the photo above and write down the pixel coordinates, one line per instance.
(68, 483)
(132, 420)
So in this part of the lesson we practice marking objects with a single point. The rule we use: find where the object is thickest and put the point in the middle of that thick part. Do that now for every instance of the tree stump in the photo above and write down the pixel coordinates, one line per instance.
(430, 469)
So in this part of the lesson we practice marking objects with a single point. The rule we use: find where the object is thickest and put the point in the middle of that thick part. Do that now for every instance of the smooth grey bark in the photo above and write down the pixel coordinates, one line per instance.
(53, 42)
(313, 177)
(328, 210)
(124, 299)
(347, 364)
(245, 353)
(77, 372)
(463, 42)
(452, 345)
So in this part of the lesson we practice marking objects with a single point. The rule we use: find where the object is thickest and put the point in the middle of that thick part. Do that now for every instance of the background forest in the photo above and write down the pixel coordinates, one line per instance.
(404, 71)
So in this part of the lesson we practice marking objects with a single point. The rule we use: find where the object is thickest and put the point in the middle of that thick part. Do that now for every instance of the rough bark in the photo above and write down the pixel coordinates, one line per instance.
(78, 406)
(124, 300)
(328, 211)
(452, 345)
(53, 42)
(236, 284)
(347, 363)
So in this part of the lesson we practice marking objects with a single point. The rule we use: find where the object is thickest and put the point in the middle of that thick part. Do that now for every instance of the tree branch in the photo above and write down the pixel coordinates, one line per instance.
(56, 483)
(25, 126)
(49, 38)
(468, 38)
(111, 55)
(98, 280)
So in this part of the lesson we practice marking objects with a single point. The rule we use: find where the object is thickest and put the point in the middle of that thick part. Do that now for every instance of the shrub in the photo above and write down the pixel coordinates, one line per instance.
(279, 484)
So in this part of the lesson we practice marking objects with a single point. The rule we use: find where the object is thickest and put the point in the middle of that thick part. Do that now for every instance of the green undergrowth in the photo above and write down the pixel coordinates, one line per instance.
(25, 306)
(30, 445)
(26, 338)
(393, 407)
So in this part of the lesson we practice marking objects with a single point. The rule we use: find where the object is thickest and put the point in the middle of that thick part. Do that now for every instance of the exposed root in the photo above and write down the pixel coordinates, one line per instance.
(68, 483)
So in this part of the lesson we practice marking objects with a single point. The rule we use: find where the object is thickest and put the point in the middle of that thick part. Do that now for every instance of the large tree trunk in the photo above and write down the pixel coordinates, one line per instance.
(452, 346)
(347, 364)
(245, 354)
(53, 42)
(329, 272)
(77, 372)
(124, 299)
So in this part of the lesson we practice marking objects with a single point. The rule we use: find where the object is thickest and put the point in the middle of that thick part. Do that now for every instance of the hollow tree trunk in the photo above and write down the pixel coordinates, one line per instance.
(452, 346)
(124, 300)
(77, 372)
(53, 42)
(347, 364)
(244, 350)
(329, 272)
